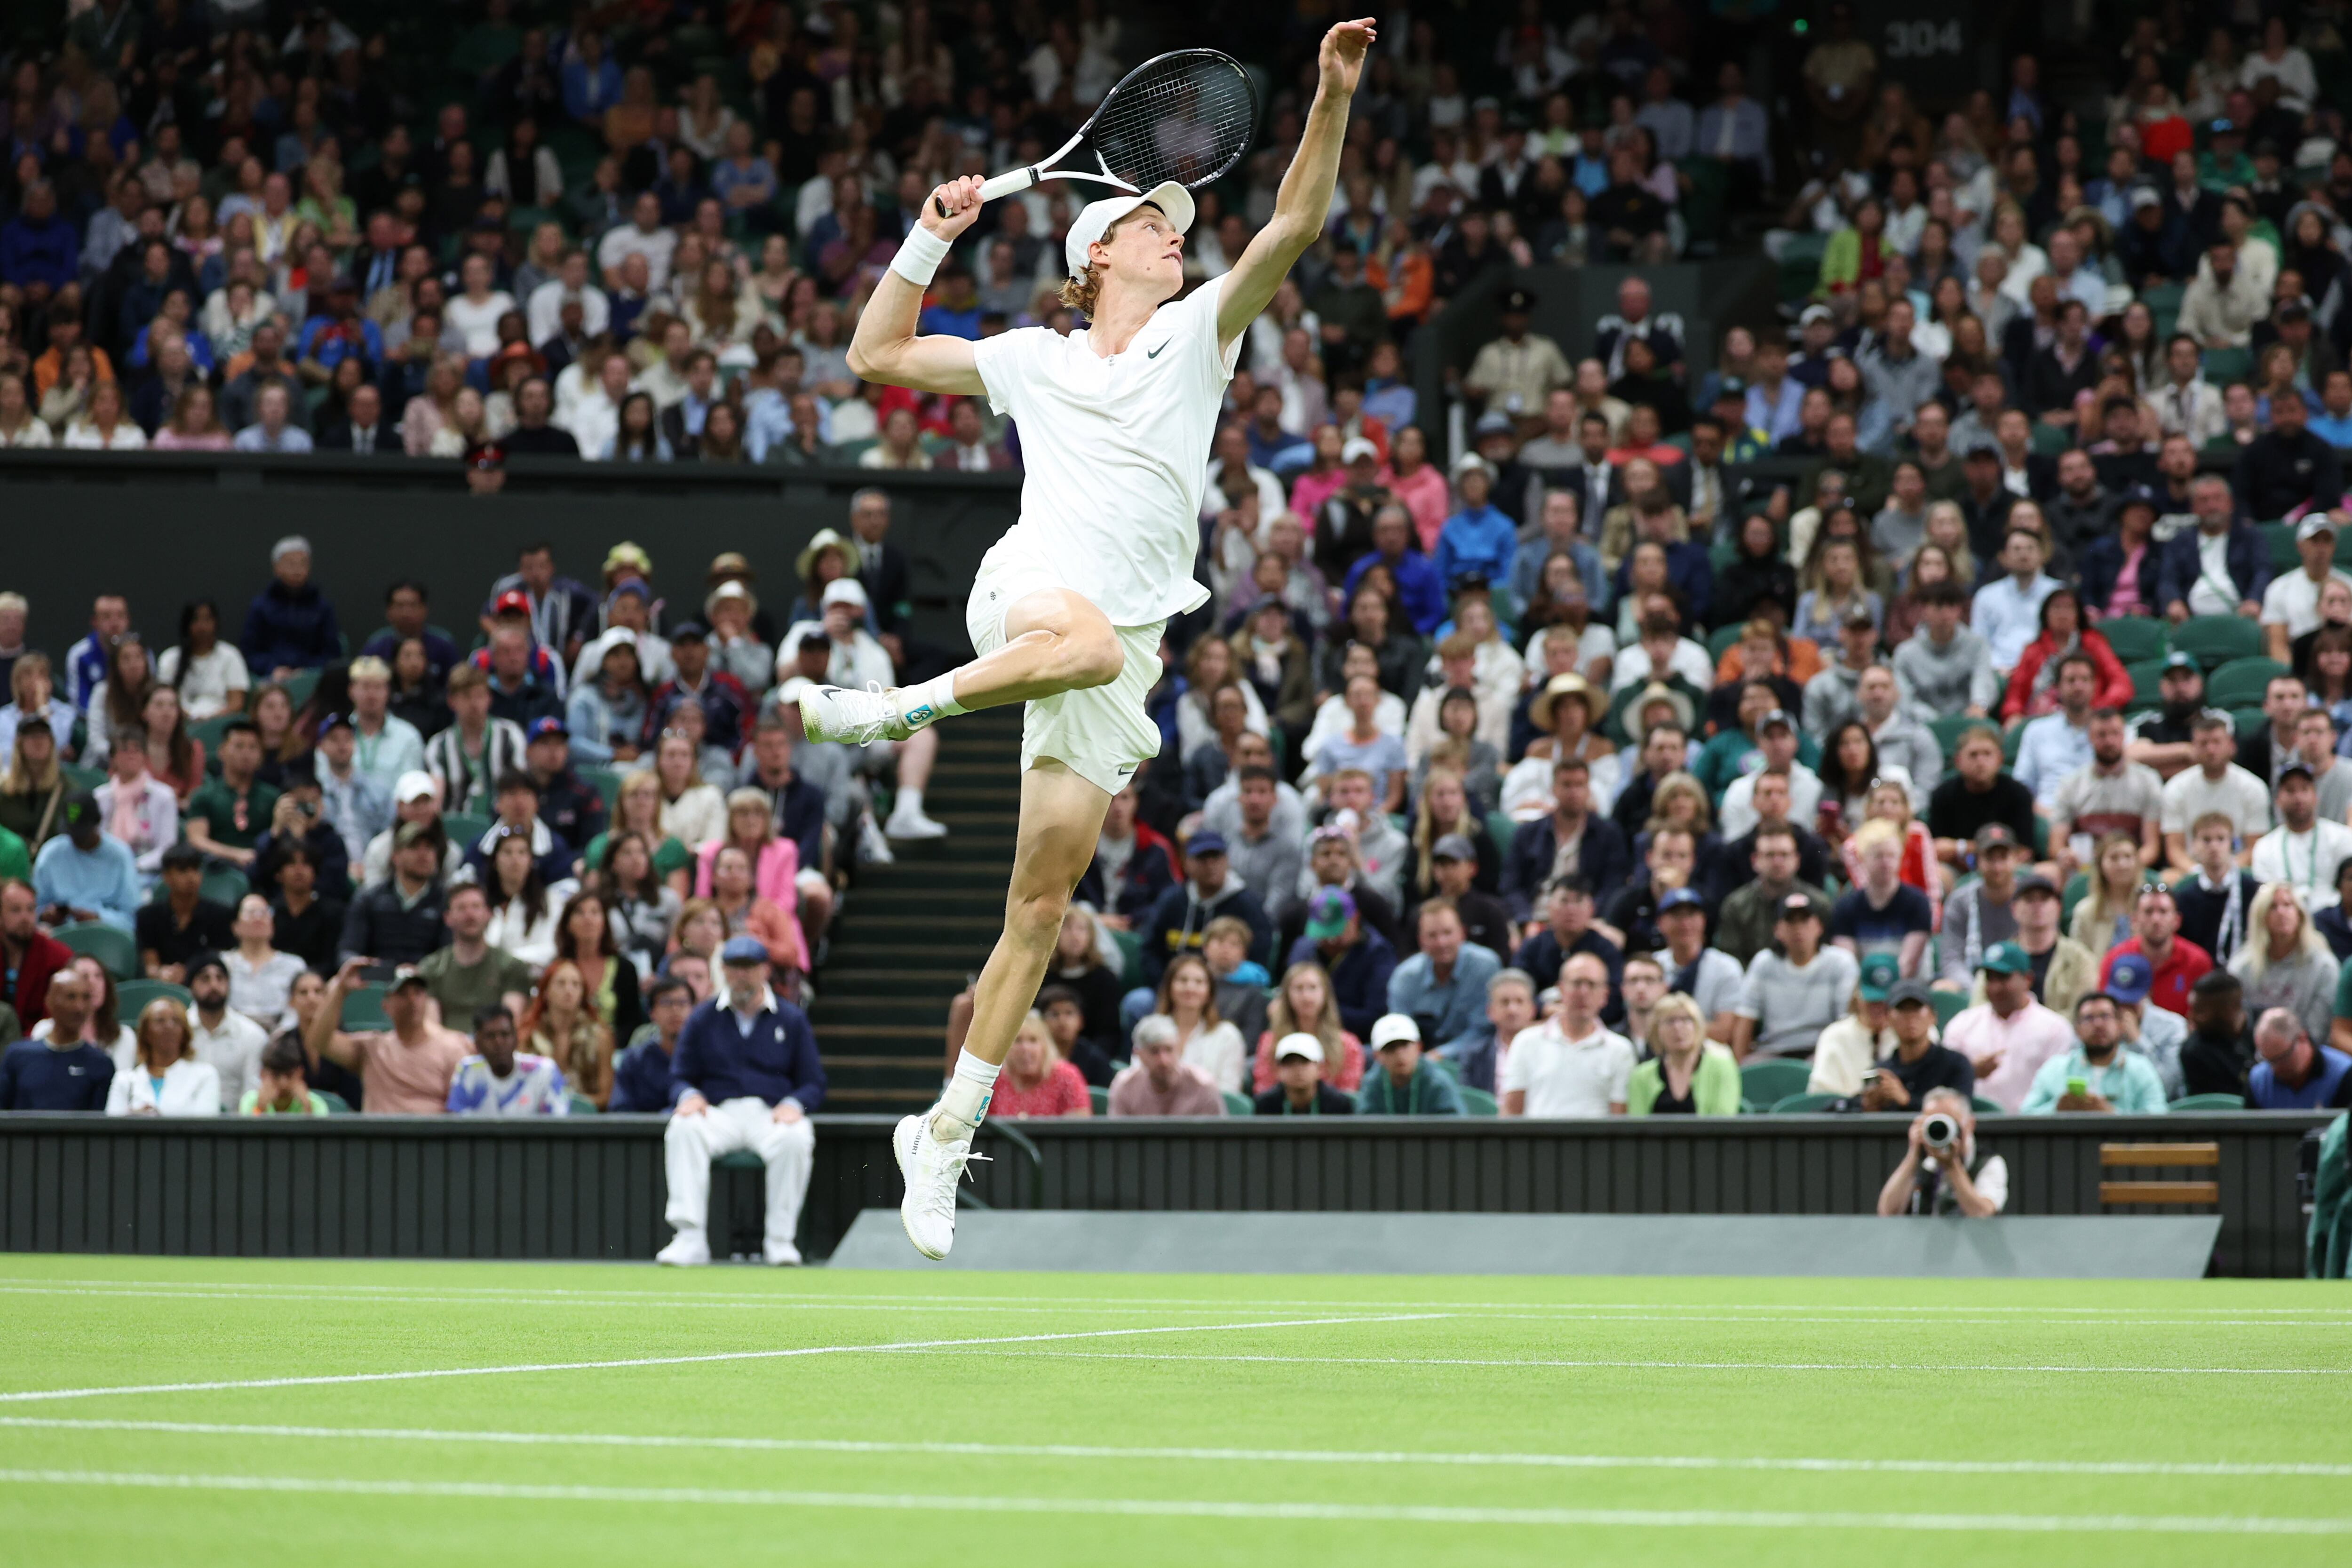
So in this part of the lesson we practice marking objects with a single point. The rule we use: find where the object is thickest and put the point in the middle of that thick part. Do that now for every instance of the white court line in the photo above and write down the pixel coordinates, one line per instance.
(950, 1304)
(1128, 1508)
(2315, 1315)
(27, 1395)
(1653, 1365)
(1206, 1455)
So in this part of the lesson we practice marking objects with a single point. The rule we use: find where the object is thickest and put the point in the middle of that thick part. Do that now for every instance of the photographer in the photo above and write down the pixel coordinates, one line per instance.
(1930, 1181)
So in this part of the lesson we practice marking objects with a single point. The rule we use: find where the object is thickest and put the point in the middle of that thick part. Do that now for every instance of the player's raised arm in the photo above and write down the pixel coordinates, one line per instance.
(1305, 199)
(886, 346)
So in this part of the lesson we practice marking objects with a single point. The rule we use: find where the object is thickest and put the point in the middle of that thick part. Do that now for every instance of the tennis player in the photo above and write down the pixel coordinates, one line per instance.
(1067, 610)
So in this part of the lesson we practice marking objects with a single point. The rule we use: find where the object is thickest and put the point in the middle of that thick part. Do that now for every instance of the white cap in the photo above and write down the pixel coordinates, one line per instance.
(843, 591)
(1392, 1027)
(1094, 219)
(414, 785)
(1300, 1044)
(1357, 446)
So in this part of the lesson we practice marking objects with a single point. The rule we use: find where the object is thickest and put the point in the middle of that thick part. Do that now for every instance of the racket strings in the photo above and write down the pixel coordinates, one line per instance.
(1186, 118)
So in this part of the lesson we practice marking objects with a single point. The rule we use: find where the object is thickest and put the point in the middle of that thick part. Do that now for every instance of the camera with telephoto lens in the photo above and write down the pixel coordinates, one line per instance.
(1940, 1133)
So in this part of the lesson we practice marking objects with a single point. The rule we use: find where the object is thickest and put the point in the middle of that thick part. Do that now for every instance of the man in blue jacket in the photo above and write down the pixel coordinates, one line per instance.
(2191, 582)
(1420, 590)
(290, 626)
(745, 1076)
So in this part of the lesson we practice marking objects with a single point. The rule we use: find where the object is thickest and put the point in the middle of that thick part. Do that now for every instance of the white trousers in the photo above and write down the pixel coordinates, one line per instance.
(787, 1148)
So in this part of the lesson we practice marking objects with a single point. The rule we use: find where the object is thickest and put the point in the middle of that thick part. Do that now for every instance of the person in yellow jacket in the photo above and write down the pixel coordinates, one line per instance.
(1687, 1074)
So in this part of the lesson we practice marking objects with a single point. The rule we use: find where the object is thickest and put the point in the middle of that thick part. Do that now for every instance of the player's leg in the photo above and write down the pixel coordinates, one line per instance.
(1061, 819)
(1053, 640)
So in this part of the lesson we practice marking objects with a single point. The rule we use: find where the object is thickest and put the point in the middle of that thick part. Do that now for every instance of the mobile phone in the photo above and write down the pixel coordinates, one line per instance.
(2078, 1087)
(378, 974)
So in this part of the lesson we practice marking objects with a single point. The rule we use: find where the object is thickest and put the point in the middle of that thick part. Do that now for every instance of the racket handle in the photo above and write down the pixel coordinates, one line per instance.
(995, 186)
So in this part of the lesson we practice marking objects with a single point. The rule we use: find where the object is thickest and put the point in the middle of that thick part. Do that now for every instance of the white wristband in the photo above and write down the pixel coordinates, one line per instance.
(920, 256)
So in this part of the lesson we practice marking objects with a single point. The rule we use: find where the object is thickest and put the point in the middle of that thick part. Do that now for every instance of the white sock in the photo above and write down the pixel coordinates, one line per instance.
(934, 699)
(965, 1100)
(908, 804)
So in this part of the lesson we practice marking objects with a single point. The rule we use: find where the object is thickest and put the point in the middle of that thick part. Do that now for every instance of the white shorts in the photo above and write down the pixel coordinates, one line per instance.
(1101, 732)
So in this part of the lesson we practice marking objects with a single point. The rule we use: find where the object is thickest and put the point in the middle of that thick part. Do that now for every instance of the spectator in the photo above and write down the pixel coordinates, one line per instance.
(467, 976)
(226, 1039)
(745, 1076)
(2007, 611)
(2098, 1073)
(1571, 838)
(1748, 915)
(1403, 1083)
(641, 1078)
(2285, 962)
(1442, 987)
(1160, 1081)
(2219, 567)
(1977, 795)
(1036, 1081)
(1300, 1090)
(168, 1080)
(1516, 371)
(283, 1087)
(1569, 1065)
(467, 758)
(303, 923)
(1359, 959)
(1982, 912)
(2057, 745)
(2215, 785)
(2219, 1049)
(2223, 300)
(1478, 1056)
(2296, 1073)
(1882, 913)
(29, 956)
(400, 920)
(63, 1072)
(1954, 1178)
(2010, 1034)
(290, 626)
(1187, 998)
(2063, 969)
(2291, 604)
(1180, 920)
(85, 873)
(2110, 794)
(1794, 989)
(1687, 1074)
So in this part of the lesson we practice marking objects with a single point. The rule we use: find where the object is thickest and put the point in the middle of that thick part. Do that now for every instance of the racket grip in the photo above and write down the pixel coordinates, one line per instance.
(997, 186)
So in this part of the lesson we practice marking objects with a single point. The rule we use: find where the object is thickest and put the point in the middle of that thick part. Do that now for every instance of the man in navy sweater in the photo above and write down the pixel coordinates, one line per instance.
(63, 1072)
(745, 1076)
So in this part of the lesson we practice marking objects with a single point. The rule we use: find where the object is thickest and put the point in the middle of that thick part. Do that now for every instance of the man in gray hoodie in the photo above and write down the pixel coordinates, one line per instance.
(1944, 668)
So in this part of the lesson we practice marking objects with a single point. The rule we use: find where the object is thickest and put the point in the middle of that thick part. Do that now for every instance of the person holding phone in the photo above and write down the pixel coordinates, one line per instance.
(2098, 1075)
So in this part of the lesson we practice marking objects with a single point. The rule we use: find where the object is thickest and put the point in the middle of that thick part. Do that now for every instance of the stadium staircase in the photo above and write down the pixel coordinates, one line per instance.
(912, 932)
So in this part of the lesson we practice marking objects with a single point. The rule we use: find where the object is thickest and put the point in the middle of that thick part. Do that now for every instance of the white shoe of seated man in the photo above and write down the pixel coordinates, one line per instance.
(690, 1143)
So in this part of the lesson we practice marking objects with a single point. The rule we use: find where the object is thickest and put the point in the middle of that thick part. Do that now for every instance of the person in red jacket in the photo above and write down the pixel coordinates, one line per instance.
(28, 955)
(2033, 683)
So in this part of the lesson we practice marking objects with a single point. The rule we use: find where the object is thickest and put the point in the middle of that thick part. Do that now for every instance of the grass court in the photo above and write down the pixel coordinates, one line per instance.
(197, 1411)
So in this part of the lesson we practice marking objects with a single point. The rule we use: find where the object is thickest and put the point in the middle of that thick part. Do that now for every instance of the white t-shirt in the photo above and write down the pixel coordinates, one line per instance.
(1561, 1077)
(2293, 600)
(2188, 794)
(2215, 591)
(211, 678)
(479, 324)
(2305, 860)
(1116, 453)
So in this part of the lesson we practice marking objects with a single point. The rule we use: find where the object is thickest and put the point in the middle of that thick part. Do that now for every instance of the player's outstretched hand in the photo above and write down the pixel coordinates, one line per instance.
(952, 206)
(1341, 60)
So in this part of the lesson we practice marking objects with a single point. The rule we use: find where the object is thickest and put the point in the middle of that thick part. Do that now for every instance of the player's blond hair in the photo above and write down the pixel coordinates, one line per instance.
(1080, 290)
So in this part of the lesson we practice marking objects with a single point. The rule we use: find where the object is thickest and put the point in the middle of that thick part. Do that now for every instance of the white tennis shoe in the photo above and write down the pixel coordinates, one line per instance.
(856, 718)
(686, 1250)
(913, 824)
(932, 1170)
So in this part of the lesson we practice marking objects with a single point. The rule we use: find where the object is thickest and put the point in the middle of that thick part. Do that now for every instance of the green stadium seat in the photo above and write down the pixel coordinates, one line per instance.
(577, 1104)
(1950, 1006)
(465, 828)
(2280, 536)
(606, 782)
(2223, 367)
(1947, 729)
(133, 994)
(1099, 1098)
(1803, 1104)
(1768, 1080)
(1130, 956)
(1983, 1106)
(1479, 1102)
(2218, 639)
(2012, 740)
(1238, 1104)
(363, 1008)
(1719, 641)
(112, 946)
(224, 888)
(208, 732)
(739, 1160)
(2203, 1103)
(1500, 830)
(2078, 888)
(336, 1104)
(2248, 719)
(1447, 1066)
(2134, 638)
(82, 778)
(299, 687)
(2241, 682)
(2146, 678)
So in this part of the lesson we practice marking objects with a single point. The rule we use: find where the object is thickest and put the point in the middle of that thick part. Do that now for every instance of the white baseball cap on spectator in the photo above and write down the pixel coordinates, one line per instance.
(1357, 446)
(1394, 1028)
(1302, 1045)
(843, 591)
(413, 786)
(288, 546)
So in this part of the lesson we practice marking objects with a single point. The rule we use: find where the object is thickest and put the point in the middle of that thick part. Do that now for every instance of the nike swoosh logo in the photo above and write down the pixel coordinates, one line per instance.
(1155, 352)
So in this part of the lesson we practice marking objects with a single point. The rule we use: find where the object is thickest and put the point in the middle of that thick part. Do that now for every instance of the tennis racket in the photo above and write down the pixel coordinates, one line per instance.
(1186, 116)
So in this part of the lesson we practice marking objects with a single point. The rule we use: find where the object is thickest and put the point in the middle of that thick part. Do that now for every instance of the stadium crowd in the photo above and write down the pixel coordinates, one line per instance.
(1943, 688)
